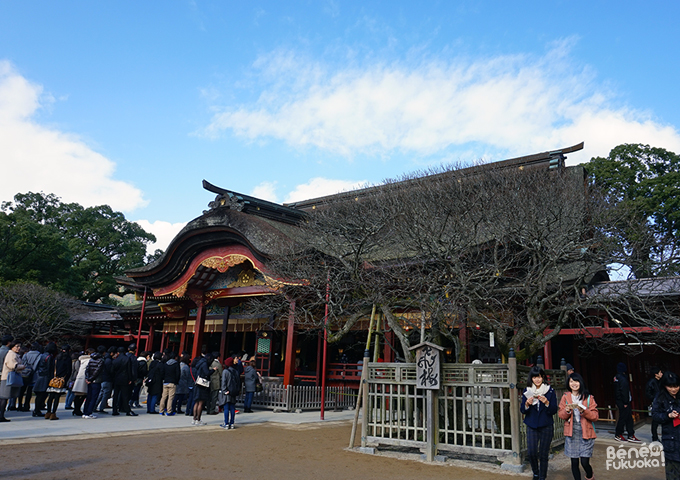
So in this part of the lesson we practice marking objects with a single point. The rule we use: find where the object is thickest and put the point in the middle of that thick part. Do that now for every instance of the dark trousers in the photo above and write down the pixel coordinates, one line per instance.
(121, 397)
(40, 398)
(178, 401)
(25, 398)
(190, 402)
(212, 406)
(53, 402)
(576, 471)
(625, 420)
(229, 413)
(136, 389)
(93, 390)
(104, 395)
(248, 400)
(151, 402)
(78, 402)
(538, 446)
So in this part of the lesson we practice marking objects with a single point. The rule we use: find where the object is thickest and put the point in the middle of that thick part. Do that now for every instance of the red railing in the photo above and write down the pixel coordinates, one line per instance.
(350, 372)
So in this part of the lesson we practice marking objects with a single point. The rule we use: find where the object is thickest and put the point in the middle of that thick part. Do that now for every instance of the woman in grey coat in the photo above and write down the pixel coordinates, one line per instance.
(251, 379)
(183, 384)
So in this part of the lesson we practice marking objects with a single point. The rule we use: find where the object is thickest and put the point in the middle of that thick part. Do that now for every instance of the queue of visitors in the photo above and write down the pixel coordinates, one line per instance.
(102, 381)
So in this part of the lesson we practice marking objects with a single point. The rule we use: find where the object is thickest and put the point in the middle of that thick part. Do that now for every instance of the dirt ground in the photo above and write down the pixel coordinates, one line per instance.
(268, 451)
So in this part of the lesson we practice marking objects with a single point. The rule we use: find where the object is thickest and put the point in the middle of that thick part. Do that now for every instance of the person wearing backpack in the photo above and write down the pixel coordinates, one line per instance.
(44, 373)
(31, 359)
(231, 387)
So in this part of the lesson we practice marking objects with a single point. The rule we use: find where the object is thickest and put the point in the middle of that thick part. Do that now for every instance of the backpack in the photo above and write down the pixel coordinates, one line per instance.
(142, 369)
(44, 365)
(234, 383)
(30, 367)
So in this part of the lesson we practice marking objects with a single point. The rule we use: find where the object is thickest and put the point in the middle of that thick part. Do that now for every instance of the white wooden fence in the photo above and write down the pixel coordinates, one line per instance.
(474, 406)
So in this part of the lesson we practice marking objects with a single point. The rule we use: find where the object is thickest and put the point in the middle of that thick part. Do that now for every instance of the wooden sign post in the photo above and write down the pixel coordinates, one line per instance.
(428, 377)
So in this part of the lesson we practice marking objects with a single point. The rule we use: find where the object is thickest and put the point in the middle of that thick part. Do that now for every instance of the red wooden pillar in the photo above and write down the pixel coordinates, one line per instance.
(149, 338)
(319, 359)
(289, 368)
(198, 330)
(183, 337)
(547, 355)
(164, 341)
(223, 337)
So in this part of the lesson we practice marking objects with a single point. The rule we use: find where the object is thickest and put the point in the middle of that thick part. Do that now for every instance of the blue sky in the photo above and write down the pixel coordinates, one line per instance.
(134, 103)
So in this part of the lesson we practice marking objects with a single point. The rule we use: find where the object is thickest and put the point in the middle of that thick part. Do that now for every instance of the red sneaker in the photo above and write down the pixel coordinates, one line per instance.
(619, 438)
(634, 439)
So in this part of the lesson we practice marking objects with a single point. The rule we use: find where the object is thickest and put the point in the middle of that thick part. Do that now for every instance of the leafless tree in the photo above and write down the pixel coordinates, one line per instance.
(509, 250)
(31, 312)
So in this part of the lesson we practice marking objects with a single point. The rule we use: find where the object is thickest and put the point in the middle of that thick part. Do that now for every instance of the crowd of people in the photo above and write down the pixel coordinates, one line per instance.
(110, 381)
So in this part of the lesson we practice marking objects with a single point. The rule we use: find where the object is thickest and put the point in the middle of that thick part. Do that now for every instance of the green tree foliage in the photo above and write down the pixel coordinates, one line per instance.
(66, 246)
(643, 183)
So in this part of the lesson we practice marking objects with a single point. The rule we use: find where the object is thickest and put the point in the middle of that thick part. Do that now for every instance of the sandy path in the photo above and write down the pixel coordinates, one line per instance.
(268, 451)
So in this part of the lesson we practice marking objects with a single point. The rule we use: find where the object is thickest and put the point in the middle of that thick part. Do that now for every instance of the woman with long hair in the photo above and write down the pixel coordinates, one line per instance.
(200, 371)
(538, 405)
(183, 385)
(44, 374)
(63, 368)
(578, 409)
(666, 411)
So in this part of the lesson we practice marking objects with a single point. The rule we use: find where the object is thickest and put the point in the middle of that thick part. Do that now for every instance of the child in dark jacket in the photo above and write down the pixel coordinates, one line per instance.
(539, 404)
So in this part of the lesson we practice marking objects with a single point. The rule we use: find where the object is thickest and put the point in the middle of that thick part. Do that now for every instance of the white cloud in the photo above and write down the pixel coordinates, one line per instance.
(265, 191)
(319, 187)
(510, 105)
(37, 158)
(164, 232)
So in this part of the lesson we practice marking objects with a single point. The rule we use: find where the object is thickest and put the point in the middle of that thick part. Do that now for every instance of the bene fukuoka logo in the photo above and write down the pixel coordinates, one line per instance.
(636, 457)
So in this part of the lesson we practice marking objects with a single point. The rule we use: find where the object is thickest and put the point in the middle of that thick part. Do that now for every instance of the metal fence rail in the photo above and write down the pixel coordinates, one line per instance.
(298, 397)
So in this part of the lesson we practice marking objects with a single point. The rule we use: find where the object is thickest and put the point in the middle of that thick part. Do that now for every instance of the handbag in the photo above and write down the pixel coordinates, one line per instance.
(57, 382)
(14, 379)
(202, 382)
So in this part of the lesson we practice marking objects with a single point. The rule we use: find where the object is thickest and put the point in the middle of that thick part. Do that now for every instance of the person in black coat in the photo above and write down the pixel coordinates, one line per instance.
(63, 367)
(171, 373)
(651, 391)
(623, 403)
(122, 383)
(107, 381)
(154, 383)
(666, 411)
(200, 370)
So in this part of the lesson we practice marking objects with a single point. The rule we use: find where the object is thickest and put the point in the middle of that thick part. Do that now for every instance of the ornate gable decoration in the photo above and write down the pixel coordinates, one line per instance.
(231, 202)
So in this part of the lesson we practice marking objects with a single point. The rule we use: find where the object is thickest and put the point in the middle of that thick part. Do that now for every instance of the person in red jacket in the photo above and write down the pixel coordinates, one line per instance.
(579, 410)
